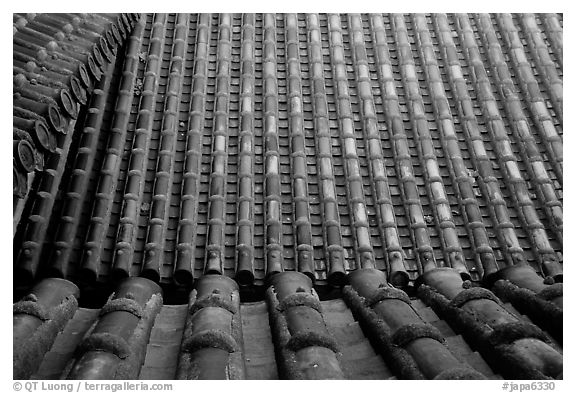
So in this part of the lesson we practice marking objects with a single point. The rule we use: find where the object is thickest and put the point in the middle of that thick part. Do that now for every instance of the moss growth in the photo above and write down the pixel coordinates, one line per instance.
(236, 367)
(130, 367)
(516, 367)
(122, 304)
(492, 343)
(510, 332)
(509, 292)
(311, 339)
(552, 292)
(285, 359)
(30, 298)
(387, 293)
(300, 299)
(473, 294)
(29, 355)
(184, 359)
(184, 367)
(285, 344)
(547, 314)
(211, 338)
(188, 365)
(379, 333)
(130, 295)
(408, 333)
(289, 368)
(213, 300)
(107, 342)
(461, 321)
(31, 308)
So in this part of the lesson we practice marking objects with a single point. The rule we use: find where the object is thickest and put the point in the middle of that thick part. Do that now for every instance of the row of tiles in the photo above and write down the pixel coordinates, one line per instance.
(226, 144)
(57, 59)
(210, 341)
(58, 65)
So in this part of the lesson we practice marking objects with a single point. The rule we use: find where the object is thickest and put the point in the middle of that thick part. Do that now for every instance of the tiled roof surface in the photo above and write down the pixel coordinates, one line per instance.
(58, 59)
(375, 331)
(333, 196)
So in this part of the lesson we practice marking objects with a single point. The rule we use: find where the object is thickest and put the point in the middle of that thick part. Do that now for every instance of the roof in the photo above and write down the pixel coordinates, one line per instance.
(305, 196)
